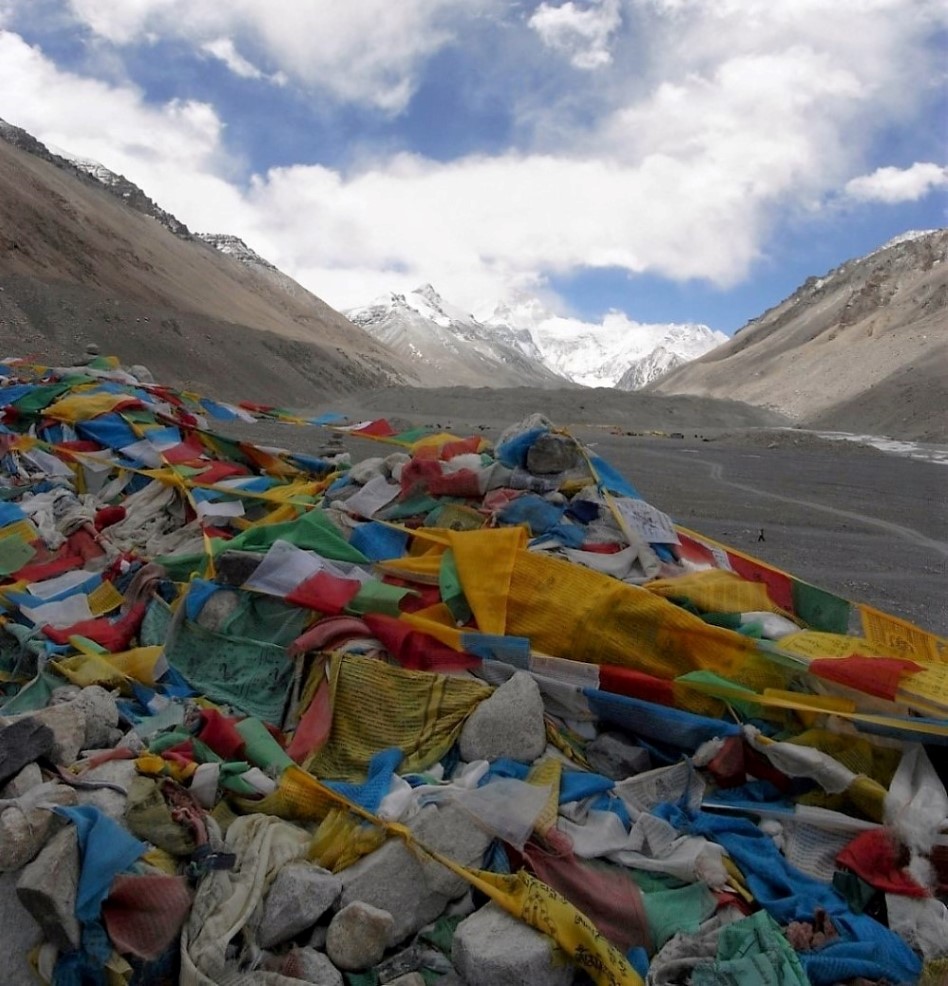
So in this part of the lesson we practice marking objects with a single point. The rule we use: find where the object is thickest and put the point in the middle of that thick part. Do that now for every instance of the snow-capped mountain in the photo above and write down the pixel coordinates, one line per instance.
(618, 352)
(529, 344)
(446, 345)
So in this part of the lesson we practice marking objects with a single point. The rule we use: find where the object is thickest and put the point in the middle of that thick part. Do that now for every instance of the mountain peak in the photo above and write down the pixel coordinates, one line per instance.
(523, 333)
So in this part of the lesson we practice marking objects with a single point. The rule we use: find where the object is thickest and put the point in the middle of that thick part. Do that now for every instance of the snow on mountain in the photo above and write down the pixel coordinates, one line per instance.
(86, 168)
(234, 247)
(447, 345)
(618, 352)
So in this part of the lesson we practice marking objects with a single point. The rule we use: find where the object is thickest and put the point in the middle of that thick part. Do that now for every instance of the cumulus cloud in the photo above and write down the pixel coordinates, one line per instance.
(583, 34)
(892, 185)
(363, 51)
(731, 113)
(224, 50)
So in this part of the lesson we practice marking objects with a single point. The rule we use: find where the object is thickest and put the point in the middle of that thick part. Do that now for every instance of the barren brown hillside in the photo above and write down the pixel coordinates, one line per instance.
(78, 265)
(863, 349)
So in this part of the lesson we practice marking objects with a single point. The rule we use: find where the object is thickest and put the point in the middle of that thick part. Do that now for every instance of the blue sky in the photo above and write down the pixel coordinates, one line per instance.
(675, 160)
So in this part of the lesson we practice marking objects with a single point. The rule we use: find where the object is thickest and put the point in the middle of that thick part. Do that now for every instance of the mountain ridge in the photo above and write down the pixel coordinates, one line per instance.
(864, 347)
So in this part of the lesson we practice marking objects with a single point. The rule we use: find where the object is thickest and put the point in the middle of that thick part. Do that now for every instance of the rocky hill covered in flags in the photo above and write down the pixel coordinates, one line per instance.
(459, 712)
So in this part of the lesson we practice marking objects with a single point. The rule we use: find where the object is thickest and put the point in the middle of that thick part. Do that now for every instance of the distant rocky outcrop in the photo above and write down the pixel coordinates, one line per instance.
(85, 169)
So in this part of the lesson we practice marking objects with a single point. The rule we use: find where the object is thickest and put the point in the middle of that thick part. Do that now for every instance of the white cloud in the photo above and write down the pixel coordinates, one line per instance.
(582, 33)
(363, 51)
(892, 185)
(732, 112)
(225, 51)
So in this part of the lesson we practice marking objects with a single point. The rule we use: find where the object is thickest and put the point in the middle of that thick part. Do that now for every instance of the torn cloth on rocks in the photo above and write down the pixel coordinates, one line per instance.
(864, 947)
(376, 706)
(226, 899)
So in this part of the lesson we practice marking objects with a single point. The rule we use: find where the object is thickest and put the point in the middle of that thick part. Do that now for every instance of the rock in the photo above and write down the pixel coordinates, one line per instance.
(24, 828)
(367, 469)
(102, 717)
(616, 756)
(22, 742)
(219, 607)
(358, 936)
(409, 979)
(67, 721)
(118, 772)
(47, 889)
(235, 567)
(491, 947)
(415, 890)
(29, 777)
(21, 934)
(311, 967)
(508, 724)
(552, 453)
(297, 899)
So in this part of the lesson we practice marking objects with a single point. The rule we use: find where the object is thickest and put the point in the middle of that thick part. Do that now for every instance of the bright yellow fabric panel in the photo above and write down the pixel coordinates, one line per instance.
(111, 669)
(81, 407)
(815, 644)
(437, 621)
(485, 561)
(901, 638)
(104, 598)
(573, 612)
(376, 706)
(436, 440)
(716, 591)
(342, 839)
(547, 773)
(425, 568)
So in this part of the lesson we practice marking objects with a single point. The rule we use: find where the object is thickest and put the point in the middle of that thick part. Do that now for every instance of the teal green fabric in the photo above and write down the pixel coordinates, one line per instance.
(452, 595)
(671, 911)
(378, 597)
(752, 952)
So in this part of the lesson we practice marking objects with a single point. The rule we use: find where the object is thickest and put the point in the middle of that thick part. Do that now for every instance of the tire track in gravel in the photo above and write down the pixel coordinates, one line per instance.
(716, 471)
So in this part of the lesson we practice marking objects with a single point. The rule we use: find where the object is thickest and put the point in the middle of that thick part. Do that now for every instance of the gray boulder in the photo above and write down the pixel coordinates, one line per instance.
(20, 934)
(102, 717)
(508, 724)
(552, 453)
(28, 778)
(491, 947)
(413, 889)
(108, 800)
(310, 966)
(297, 899)
(358, 936)
(47, 889)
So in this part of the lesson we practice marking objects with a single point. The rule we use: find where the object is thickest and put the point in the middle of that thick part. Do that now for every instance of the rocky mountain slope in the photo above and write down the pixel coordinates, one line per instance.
(79, 263)
(864, 348)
